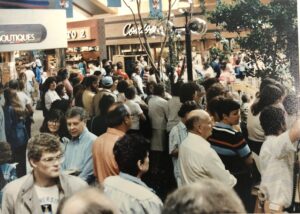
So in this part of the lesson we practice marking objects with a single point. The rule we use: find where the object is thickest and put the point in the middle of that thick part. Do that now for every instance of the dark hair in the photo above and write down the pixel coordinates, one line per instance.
(59, 89)
(104, 61)
(122, 86)
(216, 89)
(22, 84)
(43, 142)
(116, 115)
(150, 87)
(213, 105)
(77, 111)
(187, 107)
(226, 106)
(62, 105)
(187, 92)
(97, 73)
(245, 98)
(74, 81)
(90, 80)
(62, 74)
(272, 120)
(72, 76)
(159, 89)
(119, 65)
(5, 152)
(129, 150)
(105, 103)
(209, 82)
(47, 83)
(268, 96)
(175, 90)
(130, 92)
(13, 84)
(58, 116)
(108, 69)
(290, 104)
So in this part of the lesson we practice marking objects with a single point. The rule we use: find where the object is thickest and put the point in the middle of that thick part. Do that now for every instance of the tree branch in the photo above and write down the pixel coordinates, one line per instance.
(147, 46)
(137, 27)
(166, 36)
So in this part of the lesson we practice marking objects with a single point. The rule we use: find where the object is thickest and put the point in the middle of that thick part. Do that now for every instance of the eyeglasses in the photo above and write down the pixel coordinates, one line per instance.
(53, 122)
(52, 160)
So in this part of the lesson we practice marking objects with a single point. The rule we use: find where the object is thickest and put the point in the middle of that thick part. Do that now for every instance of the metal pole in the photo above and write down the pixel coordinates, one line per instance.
(188, 49)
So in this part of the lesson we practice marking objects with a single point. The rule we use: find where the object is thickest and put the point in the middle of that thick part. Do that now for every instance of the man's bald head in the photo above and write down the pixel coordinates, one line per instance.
(199, 122)
(117, 114)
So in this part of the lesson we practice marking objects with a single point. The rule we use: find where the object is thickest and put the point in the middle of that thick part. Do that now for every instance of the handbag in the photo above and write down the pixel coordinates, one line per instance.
(39, 105)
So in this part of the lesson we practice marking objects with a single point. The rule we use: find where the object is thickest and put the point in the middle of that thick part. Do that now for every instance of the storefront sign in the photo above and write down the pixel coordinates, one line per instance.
(19, 34)
(32, 29)
(131, 30)
(79, 34)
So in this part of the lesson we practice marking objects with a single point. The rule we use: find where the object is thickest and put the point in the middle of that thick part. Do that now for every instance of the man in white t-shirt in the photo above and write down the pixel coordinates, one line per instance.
(134, 107)
(41, 190)
(30, 79)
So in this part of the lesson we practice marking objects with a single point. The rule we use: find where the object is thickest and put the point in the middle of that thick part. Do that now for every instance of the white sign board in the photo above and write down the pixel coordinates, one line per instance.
(32, 29)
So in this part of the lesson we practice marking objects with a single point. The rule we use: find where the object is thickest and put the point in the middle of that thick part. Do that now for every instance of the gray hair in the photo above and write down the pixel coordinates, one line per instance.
(204, 197)
(87, 201)
(77, 111)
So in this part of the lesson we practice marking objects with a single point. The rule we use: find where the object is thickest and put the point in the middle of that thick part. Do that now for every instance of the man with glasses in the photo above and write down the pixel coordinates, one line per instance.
(42, 189)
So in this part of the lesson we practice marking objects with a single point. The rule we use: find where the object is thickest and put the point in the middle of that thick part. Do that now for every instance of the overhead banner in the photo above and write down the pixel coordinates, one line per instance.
(155, 8)
(113, 3)
(32, 31)
(66, 5)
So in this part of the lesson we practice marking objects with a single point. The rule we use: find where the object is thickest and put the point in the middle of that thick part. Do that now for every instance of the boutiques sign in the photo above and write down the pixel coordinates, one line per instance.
(132, 30)
(22, 34)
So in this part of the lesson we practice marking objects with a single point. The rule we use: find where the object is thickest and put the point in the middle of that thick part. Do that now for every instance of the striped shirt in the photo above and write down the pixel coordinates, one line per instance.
(230, 146)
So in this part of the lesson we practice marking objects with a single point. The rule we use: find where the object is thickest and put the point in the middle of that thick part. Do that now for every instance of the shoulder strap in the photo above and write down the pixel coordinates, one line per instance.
(295, 178)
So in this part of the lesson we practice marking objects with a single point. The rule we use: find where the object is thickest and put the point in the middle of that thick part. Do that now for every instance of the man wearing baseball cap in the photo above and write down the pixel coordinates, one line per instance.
(107, 85)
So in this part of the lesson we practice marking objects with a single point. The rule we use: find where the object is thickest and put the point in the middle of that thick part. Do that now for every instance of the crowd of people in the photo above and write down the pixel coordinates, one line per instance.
(199, 148)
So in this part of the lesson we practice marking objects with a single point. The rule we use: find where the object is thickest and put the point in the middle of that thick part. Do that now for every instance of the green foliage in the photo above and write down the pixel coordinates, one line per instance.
(271, 33)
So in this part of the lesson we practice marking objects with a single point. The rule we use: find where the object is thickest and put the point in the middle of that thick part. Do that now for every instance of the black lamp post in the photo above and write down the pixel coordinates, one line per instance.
(191, 24)
(188, 48)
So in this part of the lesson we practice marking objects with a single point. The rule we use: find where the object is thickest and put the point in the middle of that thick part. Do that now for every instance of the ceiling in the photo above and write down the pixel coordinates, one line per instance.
(93, 7)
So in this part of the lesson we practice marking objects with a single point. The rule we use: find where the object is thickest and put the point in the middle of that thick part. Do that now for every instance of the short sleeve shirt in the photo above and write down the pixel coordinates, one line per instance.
(230, 146)
(135, 111)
